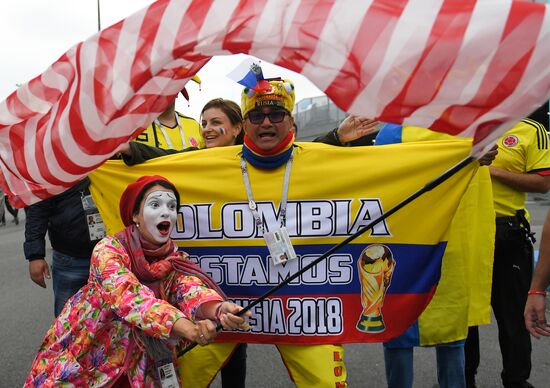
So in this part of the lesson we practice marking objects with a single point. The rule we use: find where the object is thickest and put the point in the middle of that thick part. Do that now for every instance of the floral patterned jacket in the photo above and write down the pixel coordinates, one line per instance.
(92, 343)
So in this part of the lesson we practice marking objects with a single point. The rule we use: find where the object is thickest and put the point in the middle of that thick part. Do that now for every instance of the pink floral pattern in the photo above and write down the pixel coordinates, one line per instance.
(92, 341)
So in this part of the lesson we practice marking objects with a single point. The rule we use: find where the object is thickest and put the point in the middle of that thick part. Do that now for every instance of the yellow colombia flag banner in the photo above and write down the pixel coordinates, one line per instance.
(371, 290)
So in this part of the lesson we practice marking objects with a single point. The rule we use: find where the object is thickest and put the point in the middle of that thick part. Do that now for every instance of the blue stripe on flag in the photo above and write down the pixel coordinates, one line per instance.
(418, 269)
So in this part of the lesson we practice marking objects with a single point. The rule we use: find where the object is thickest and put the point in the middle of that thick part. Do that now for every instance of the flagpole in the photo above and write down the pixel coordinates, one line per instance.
(427, 187)
(98, 17)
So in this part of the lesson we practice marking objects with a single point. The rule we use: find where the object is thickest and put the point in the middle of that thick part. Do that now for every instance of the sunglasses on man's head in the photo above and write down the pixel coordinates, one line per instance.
(258, 117)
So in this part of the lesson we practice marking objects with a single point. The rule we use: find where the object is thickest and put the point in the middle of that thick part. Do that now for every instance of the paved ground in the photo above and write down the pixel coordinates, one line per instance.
(27, 311)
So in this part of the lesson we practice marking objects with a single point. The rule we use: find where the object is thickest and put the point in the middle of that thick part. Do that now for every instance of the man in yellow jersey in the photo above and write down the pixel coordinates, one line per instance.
(521, 166)
(172, 130)
(268, 144)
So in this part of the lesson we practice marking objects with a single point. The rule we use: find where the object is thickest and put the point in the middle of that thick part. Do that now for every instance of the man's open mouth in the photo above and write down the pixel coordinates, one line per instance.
(264, 135)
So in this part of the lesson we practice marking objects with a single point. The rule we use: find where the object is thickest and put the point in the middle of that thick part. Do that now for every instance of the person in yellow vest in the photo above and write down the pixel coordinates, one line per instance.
(173, 131)
(521, 166)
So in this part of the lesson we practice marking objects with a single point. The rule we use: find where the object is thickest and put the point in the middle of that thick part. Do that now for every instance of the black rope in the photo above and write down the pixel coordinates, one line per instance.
(427, 187)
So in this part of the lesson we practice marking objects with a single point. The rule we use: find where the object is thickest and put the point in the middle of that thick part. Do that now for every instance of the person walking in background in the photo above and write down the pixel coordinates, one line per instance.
(12, 210)
(521, 166)
(2, 209)
(74, 226)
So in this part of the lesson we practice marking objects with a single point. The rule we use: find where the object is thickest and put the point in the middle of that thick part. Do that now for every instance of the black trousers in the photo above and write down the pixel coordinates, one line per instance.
(234, 372)
(512, 273)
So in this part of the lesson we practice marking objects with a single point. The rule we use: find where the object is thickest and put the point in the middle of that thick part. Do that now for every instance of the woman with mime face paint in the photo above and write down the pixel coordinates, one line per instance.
(143, 296)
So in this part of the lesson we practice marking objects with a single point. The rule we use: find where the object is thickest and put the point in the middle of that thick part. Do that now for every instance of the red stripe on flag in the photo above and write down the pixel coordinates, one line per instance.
(40, 155)
(104, 108)
(103, 74)
(17, 109)
(352, 79)
(58, 152)
(439, 54)
(307, 39)
(17, 143)
(522, 30)
(46, 93)
(242, 25)
(141, 67)
(190, 28)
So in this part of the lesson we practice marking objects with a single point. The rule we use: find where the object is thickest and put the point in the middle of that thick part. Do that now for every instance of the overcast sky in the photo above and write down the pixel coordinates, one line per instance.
(35, 33)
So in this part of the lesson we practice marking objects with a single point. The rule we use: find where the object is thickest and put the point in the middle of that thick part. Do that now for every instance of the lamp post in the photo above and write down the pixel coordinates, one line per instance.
(98, 17)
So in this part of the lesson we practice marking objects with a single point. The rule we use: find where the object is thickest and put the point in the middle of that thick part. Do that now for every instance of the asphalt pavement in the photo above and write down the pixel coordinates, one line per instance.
(27, 312)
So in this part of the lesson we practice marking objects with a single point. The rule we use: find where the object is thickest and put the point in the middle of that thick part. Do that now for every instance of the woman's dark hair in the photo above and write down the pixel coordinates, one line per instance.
(166, 185)
(232, 110)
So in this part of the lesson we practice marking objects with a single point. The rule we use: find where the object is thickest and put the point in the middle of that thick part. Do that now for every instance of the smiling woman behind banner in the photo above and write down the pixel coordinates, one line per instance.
(142, 297)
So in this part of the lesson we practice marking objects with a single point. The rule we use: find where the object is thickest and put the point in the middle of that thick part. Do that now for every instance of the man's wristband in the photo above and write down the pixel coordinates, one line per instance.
(536, 292)
(336, 136)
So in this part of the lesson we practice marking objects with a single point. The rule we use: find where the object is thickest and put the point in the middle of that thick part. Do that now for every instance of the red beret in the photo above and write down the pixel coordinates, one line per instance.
(132, 192)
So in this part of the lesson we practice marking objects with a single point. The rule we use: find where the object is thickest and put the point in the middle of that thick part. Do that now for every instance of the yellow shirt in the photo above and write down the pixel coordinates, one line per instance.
(523, 149)
(155, 136)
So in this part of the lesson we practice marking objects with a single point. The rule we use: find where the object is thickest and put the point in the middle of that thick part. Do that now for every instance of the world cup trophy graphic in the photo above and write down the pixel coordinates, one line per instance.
(375, 266)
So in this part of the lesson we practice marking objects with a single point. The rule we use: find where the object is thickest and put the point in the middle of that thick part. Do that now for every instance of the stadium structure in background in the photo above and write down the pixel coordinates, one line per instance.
(315, 116)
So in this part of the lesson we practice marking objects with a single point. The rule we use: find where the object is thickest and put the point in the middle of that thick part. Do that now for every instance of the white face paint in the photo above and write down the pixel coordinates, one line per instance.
(159, 215)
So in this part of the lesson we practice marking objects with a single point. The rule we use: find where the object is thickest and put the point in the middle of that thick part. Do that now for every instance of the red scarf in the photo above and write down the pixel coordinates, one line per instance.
(283, 145)
(152, 263)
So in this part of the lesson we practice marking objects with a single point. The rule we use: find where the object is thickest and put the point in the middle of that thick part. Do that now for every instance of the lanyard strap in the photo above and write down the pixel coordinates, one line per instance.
(167, 138)
(284, 196)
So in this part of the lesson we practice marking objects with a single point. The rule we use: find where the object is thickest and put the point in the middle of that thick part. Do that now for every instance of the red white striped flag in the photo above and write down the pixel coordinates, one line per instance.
(461, 67)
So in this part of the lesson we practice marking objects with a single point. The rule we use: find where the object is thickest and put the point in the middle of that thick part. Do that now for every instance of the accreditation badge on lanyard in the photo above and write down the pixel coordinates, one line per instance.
(96, 227)
(278, 240)
(279, 245)
(167, 375)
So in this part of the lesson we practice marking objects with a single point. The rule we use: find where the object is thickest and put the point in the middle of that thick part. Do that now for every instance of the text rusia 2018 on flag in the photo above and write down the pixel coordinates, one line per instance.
(472, 68)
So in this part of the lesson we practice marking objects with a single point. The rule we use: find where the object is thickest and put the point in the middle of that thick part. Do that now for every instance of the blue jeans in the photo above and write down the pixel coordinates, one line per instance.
(450, 366)
(69, 274)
